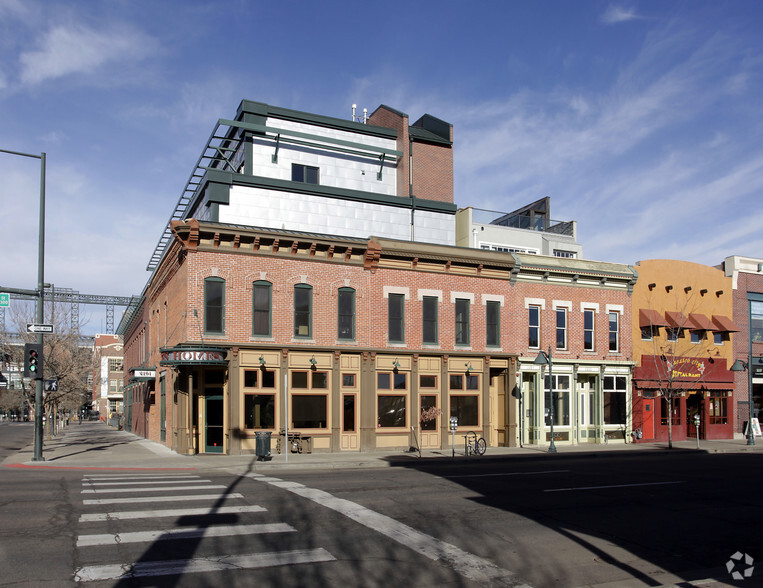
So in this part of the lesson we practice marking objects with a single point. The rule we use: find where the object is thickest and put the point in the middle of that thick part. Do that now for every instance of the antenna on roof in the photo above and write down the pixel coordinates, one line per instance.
(356, 118)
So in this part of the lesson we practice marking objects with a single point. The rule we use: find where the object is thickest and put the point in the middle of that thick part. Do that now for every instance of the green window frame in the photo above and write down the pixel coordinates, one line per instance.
(303, 311)
(346, 314)
(214, 306)
(462, 321)
(493, 323)
(262, 308)
(429, 306)
(396, 318)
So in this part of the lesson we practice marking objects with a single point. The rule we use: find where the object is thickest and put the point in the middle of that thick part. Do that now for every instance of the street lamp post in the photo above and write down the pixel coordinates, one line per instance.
(38, 408)
(543, 359)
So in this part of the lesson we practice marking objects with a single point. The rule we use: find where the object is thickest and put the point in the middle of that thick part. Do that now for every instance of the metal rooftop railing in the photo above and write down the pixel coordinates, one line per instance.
(530, 222)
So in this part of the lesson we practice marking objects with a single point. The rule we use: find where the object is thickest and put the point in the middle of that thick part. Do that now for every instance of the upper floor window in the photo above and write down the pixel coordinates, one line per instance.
(303, 310)
(756, 321)
(261, 308)
(589, 338)
(346, 314)
(493, 323)
(564, 253)
(116, 364)
(561, 328)
(305, 174)
(533, 339)
(396, 317)
(429, 319)
(614, 331)
(462, 321)
(214, 305)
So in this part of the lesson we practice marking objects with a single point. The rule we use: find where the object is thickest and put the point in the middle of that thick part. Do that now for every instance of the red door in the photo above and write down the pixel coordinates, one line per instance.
(647, 426)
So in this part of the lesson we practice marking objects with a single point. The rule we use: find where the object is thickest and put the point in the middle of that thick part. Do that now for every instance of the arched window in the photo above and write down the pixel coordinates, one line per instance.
(303, 310)
(346, 314)
(214, 306)
(262, 304)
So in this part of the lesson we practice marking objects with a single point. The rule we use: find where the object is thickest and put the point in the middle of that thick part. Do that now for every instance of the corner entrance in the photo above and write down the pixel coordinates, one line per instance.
(213, 424)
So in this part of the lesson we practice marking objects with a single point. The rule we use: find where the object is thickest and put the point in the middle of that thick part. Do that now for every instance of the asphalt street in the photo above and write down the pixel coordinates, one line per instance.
(106, 508)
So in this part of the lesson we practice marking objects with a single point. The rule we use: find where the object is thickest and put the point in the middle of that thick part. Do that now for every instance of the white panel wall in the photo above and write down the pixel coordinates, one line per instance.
(336, 169)
(300, 212)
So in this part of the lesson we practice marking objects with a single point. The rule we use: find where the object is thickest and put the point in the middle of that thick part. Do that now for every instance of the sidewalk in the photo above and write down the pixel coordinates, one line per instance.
(96, 445)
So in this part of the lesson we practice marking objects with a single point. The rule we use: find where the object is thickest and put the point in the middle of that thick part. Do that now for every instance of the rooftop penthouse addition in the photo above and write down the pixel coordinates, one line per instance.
(529, 229)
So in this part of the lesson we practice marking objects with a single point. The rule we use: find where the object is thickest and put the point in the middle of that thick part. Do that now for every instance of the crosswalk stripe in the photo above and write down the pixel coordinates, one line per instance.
(207, 564)
(172, 498)
(174, 512)
(162, 489)
(192, 533)
(147, 482)
(99, 477)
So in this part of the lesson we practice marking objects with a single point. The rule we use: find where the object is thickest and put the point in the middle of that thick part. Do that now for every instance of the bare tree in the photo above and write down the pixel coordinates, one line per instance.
(681, 356)
(66, 359)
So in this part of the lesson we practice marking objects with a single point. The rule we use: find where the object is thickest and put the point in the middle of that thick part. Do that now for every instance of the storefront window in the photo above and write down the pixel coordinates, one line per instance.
(615, 400)
(665, 411)
(259, 411)
(391, 410)
(561, 401)
(756, 321)
(717, 409)
(466, 409)
(308, 411)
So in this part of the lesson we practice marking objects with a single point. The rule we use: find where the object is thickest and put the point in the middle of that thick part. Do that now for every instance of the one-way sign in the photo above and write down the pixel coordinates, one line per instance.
(38, 328)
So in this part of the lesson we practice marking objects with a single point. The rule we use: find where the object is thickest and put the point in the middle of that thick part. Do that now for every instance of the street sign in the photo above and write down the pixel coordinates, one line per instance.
(5, 299)
(51, 385)
(38, 328)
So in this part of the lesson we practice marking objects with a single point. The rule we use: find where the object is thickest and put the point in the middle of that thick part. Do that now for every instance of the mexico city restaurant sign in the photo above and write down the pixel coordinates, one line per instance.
(192, 356)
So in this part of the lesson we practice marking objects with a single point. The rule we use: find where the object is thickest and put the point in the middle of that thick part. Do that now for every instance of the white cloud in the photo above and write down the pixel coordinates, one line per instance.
(617, 13)
(77, 49)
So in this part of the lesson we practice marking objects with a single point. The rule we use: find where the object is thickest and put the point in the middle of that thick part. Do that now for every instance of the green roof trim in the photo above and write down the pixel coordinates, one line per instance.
(262, 109)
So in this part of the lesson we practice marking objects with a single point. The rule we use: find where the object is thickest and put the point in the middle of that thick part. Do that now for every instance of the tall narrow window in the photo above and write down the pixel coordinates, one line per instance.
(589, 339)
(561, 328)
(429, 318)
(533, 339)
(462, 321)
(396, 317)
(346, 314)
(303, 306)
(614, 331)
(214, 306)
(261, 308)
(493, 323)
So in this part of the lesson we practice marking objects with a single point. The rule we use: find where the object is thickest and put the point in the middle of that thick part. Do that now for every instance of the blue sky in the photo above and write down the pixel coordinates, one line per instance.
(641, 120)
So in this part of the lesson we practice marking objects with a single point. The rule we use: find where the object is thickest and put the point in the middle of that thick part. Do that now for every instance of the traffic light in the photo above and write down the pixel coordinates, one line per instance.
(33, 360)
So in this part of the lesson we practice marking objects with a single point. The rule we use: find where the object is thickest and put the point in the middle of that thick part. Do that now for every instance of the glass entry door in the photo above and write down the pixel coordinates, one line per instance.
(213, 424)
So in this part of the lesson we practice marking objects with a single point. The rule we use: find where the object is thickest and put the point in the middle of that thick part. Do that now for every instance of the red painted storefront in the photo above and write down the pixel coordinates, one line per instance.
(700, 386)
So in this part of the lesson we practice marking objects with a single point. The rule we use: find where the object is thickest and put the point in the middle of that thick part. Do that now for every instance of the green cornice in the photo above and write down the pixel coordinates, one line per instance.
(248, 107)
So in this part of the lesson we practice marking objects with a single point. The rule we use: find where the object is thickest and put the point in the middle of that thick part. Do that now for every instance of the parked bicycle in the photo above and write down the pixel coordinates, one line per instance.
(473, 444)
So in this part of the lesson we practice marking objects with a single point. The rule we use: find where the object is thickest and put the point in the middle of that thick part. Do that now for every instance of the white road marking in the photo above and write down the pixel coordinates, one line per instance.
(172, 498)
(100, 477)
(163, 489)
(467, 564)
(146, 482)
(206, 564)
(191, 533)
(612, 486)
(506, 474)
(174, 512)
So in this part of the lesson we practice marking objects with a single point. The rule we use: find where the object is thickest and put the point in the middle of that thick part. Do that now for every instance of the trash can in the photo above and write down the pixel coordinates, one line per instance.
(262, 444)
